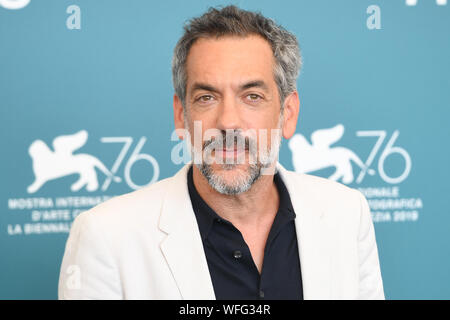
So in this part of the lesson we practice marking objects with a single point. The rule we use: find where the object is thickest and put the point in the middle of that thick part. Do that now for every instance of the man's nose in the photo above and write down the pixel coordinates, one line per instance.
(228, 116)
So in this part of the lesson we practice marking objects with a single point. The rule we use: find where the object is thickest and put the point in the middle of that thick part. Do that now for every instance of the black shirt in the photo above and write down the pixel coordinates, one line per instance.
(233, 273)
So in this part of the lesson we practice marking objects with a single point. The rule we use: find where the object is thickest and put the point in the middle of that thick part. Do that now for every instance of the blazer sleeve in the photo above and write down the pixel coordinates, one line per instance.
(88, 270)
(370, 281)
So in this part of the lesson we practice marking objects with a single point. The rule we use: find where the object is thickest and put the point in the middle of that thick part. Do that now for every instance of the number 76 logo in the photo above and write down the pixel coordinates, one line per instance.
(61, 160)
(317, 155)
(132, 159)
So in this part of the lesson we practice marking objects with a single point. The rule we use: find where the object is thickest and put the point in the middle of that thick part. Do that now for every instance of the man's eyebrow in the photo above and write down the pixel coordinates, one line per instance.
(203, 86)
(254, 84)
(251, 84)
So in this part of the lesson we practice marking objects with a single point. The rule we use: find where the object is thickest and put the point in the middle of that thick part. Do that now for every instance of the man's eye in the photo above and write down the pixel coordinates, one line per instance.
(254, 97)
(205, 98)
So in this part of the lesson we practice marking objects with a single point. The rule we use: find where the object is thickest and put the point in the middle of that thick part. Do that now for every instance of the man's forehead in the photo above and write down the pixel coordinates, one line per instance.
(229, 47)
(231, 60)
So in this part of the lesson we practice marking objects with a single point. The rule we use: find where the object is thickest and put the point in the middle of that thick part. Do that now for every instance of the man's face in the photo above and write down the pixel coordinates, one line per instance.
(231, 90)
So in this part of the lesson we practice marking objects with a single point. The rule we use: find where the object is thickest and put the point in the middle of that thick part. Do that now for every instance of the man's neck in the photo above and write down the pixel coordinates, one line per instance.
(248, 209)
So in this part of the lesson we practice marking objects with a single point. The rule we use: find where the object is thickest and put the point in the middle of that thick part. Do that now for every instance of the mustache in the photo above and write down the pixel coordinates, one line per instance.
(227, 140)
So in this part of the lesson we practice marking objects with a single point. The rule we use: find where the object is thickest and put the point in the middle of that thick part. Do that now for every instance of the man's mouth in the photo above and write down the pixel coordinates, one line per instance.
(229, 152)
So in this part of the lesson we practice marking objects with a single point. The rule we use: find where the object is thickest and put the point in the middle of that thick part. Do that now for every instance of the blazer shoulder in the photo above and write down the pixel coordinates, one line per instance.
(322, 186)
(324, 193)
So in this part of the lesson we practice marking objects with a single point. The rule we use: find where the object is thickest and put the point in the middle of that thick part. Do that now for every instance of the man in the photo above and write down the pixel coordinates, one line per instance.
(233, 224)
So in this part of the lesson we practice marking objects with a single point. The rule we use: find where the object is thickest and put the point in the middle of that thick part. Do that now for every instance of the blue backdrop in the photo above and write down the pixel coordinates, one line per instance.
(375, 85)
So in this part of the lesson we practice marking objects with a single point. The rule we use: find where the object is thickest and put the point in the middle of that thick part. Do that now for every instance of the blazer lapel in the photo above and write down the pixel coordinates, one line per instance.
(312, 237)
(183, 247)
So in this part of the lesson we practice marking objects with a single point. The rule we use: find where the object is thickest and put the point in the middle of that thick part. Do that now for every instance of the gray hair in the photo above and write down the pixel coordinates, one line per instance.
(232, 21)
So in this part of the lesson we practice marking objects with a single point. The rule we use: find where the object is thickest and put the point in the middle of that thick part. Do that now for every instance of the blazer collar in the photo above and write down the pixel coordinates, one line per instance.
(183, 247)
(312, 236)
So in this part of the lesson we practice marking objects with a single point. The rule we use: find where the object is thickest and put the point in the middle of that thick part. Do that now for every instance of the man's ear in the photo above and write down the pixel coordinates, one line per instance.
(178, 116)
(290, 114)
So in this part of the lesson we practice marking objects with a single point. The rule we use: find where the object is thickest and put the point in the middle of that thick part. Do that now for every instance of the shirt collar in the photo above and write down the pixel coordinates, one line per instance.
(204, 214)
(207, 216)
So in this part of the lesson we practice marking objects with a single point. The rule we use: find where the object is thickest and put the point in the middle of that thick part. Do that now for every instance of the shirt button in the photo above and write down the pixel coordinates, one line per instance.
(237, 254)
(261, 294)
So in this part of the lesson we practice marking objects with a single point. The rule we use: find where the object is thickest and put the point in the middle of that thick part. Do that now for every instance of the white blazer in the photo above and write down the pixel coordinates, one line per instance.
(146, 244)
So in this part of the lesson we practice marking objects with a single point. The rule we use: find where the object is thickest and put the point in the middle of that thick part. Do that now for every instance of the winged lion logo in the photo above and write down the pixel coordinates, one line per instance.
(319, 154)
(49, 165)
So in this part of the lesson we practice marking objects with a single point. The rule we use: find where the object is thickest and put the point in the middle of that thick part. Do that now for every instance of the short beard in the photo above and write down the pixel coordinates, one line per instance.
(240, 184)
(244, 181)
